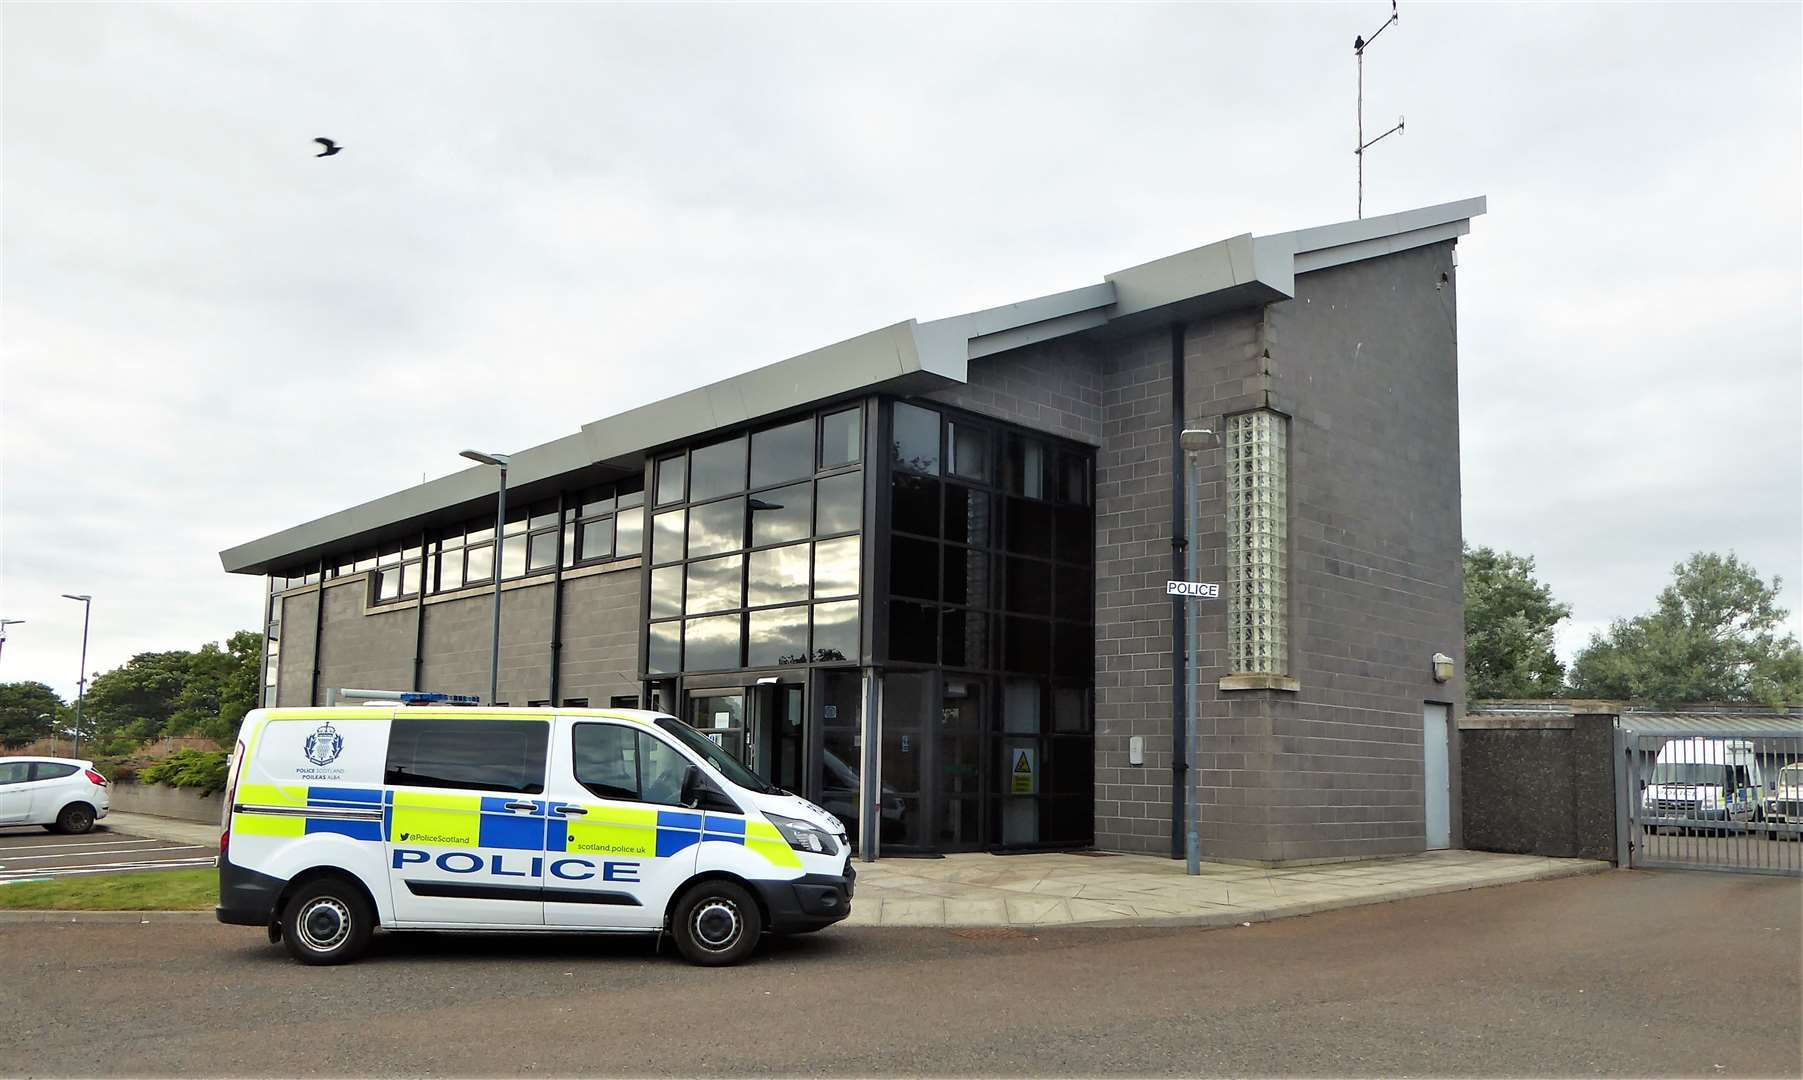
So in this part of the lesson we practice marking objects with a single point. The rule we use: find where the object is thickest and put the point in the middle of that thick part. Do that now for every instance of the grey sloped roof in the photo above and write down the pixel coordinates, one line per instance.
(1238, 271)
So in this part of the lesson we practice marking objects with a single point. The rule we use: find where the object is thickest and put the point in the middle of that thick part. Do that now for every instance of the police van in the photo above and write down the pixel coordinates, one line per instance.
(431, 814)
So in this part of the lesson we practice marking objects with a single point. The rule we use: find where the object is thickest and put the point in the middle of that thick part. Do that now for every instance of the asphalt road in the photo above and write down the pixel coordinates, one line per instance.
(31, 854)
(1643, 973)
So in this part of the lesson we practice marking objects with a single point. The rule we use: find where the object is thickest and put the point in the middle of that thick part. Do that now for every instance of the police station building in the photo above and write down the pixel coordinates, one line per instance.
(920, 576)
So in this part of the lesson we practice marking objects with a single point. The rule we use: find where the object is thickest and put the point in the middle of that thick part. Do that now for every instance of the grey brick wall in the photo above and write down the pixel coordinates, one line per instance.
(1055, 387)
(601, 636)
(1364, 362)
(294, 670)
(1133, 616)
(373, 651)
(456, 646)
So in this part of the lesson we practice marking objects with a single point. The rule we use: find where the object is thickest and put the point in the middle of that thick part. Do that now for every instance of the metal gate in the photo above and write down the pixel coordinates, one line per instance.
(1703, 798)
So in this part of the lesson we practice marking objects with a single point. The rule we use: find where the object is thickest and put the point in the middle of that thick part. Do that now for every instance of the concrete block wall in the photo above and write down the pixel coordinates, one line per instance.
(372, 650)
(1133, 615)
(1055, 387)
(601, 635)
(294, 667)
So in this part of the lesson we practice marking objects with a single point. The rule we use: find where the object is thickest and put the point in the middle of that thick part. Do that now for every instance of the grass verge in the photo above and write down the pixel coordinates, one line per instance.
(152, 890)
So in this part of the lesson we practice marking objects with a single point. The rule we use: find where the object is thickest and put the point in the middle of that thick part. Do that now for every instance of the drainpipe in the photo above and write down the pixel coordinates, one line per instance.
(1180, 542)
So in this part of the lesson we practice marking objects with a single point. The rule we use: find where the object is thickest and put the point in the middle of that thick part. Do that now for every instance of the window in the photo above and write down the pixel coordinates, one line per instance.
(615, 762)
(670, 480)
(841, 438)
(629, 528)
(603, 523)
(542, 703)
(1025, 468)
(14, 772)
(51, 770)
(839, 504)
(784, 453)
(734, 573)
(969, 447)
(623, 701)
(836, 631)
(485, 755)
(781, 515)
(575, 703)
(916, 442)
(1257, 522)
(717, 470)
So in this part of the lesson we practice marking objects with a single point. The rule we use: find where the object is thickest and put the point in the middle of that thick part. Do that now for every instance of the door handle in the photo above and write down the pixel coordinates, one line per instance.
(521, 806)
(570, 810)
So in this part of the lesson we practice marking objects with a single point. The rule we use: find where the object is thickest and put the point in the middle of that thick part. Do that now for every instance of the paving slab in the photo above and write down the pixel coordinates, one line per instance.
(981, 890)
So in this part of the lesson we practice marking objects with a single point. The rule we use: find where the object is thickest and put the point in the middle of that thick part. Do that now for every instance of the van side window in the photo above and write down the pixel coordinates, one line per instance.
(468, 755)
(615, 762)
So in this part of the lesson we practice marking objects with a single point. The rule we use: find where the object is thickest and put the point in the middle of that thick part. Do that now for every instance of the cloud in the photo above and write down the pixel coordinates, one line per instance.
(547, 214)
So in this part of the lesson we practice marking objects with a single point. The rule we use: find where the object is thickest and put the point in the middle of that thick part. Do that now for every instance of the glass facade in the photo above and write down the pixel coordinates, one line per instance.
(988, 637)
(757, 549)
(1257, 521)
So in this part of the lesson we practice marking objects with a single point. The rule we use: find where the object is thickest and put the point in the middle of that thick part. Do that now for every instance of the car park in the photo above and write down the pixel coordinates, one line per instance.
(1784, 806)
(435, 815)
(1704, 784)
(64, 795)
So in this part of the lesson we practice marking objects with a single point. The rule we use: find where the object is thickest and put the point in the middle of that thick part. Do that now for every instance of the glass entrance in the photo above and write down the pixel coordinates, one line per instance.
(720, 715)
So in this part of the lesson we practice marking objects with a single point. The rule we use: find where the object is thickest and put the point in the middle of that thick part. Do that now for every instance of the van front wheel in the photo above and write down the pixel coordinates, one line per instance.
(717, 923)
(327, 921)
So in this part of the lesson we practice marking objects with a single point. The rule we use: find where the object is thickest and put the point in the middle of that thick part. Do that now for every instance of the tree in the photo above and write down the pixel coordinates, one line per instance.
(21, 704)
(178, 692)
(1509, 621)
(1712, 636)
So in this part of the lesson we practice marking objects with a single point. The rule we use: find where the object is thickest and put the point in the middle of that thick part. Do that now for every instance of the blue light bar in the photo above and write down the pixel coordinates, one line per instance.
(439, 699)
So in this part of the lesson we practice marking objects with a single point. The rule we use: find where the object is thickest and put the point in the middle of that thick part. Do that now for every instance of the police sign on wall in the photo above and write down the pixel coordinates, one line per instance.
(1206, 590)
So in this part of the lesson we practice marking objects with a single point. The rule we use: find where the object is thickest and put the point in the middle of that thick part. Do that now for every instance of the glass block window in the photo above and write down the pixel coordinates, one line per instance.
(1256, 452)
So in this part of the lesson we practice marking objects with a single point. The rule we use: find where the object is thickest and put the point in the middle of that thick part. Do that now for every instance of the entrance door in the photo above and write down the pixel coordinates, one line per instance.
(1436, 772)
(720, 715)
(776, 726)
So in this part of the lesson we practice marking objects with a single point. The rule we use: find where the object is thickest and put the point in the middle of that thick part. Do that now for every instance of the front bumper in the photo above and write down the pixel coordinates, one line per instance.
(246, 898)
(808, 903)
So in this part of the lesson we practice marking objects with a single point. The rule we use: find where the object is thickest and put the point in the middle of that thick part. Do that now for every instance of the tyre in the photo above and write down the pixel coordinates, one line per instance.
(76, 818)
(716, 923)
(327, 921)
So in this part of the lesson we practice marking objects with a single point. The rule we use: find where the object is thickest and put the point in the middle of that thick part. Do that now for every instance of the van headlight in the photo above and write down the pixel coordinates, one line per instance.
(805, 835)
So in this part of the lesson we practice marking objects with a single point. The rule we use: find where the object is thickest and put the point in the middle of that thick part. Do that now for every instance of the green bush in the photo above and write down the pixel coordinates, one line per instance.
(197, 770)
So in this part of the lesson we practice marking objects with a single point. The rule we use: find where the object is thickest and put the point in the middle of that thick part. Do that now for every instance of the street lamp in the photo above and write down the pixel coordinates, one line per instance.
(4, 623)
(500, 462)
(81, 684)
(1193, 441)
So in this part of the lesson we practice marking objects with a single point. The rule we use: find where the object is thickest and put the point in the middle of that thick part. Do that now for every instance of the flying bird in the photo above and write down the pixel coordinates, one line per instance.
(330, 147)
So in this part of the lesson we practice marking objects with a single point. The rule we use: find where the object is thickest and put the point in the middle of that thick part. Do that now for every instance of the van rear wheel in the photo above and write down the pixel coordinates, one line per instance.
(327, 921)
(717, 923)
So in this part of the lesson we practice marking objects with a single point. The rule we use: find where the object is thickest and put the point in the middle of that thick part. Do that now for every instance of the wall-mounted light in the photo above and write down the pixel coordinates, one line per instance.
(1442, 667)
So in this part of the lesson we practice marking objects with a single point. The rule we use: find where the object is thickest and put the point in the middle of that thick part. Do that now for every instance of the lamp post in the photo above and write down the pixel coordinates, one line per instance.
(81, 684)
(1193, 441)
(4, 623)
(500, 462)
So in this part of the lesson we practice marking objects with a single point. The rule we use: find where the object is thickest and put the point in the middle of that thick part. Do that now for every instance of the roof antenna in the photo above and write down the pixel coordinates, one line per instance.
(1359, 45)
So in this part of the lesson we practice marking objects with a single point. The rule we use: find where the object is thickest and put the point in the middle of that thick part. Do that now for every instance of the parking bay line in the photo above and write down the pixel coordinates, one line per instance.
(74, 846)
(109, 851)
(15, 877)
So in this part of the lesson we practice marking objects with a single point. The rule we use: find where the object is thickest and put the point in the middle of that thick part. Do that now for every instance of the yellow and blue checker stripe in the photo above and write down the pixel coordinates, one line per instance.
(452, 819)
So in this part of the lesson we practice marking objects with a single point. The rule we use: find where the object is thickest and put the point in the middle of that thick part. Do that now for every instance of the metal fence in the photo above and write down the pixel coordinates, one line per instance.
(1706, 799)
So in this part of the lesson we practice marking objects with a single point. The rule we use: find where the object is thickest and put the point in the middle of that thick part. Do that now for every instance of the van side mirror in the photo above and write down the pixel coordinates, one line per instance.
(1643, 785)
(694, 784)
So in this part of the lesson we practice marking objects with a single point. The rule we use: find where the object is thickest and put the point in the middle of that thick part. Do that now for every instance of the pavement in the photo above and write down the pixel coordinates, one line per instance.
(1600, 975)
(978, 890)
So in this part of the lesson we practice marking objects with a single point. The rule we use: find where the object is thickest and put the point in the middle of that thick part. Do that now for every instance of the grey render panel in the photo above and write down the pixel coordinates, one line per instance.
(455, 645)
(371, 651)
(1241, 271)
(294, 668)
(601, 636)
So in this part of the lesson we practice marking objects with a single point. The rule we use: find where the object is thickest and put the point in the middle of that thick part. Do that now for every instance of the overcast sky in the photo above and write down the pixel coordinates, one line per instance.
(548, 214)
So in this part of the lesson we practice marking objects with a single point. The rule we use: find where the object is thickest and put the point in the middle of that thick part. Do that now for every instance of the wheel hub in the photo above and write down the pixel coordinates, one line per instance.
(717, 924)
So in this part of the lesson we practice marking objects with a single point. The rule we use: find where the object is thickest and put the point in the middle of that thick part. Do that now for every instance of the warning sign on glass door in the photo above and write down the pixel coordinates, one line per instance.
(1023, 774)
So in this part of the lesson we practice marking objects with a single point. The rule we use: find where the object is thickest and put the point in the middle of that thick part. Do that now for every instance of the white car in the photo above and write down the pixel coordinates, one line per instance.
(61, 794)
